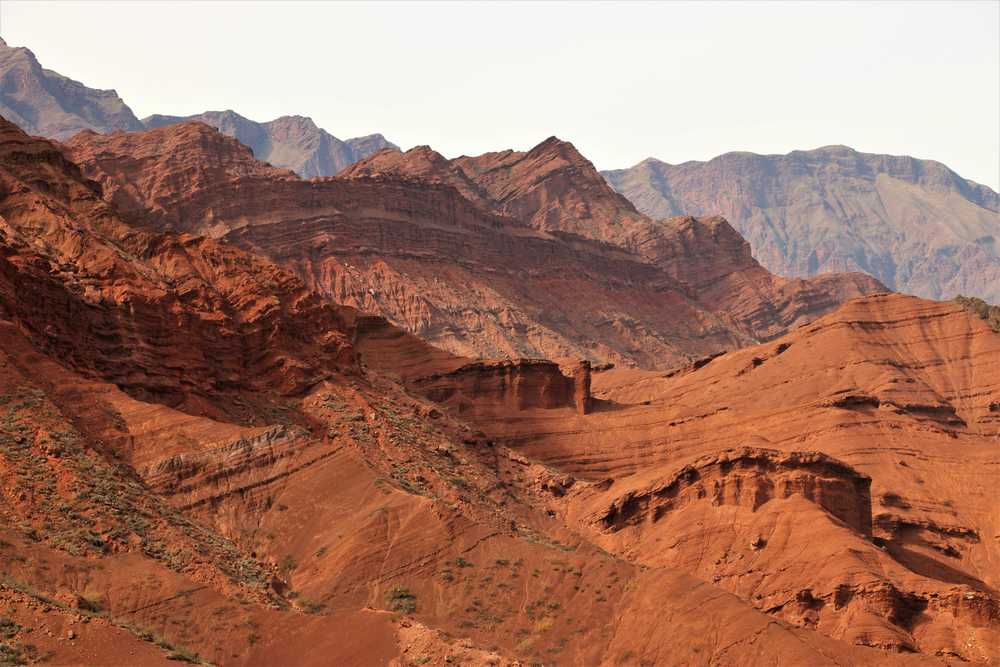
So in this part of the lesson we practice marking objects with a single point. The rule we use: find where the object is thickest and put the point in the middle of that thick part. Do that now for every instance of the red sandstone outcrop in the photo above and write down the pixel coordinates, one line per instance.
(517, 385)
(555, 188)
(171, 317)
(836, 478)
(750, 477)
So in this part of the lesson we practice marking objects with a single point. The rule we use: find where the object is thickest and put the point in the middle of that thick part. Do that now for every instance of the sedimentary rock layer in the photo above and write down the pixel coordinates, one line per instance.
(531, 255)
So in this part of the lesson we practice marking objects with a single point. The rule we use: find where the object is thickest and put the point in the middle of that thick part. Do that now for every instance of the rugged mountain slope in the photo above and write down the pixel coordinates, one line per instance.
(455, 274)
(47, 103)
(840, 477)
(289, 142)
(197, 466)
(914, 224)
(412, 237)
(554, 188)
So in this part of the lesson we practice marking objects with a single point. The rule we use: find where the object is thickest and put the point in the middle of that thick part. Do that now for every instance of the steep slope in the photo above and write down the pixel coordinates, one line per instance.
(556, 188)
(914, 224)
(44, 102)
(840, 477)
(424, 164)
(156, 313)
(289, 142)
(413, 249)
(197, 466)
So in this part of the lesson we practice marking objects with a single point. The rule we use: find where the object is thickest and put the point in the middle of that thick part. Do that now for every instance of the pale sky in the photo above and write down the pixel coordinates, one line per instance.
(623, 82)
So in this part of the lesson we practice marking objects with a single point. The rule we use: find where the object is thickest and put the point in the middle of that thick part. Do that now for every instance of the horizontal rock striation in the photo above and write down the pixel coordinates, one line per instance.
(516, 385)
(168, 317)
(524, 255)
(833, 478)
(750, 477)
(189, 432)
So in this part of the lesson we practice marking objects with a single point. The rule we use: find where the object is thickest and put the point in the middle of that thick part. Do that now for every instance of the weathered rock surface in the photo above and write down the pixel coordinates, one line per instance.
(838, 478)
(173, 317)
(507, 385)
(556, 189)
(750, 477)
(469, 263)
(915, 225)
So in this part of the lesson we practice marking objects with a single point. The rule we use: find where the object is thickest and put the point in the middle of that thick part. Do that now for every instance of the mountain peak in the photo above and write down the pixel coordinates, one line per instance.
(292, 142)
(551, 142)
(301, 122)
(555, 145)
(419, 162)
(425, 150)
(227, 114)
(22, 51)
(43, 102)
(834, 148)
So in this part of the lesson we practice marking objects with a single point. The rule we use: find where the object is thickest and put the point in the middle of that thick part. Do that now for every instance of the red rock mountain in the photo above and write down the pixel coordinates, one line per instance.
(47, 103)
(840, 477)
(915, 225)
(520, 255)
(203, 460)
(290, 142)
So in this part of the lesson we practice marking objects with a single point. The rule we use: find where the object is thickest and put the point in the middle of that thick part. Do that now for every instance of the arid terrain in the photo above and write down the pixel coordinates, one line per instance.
(473, 411)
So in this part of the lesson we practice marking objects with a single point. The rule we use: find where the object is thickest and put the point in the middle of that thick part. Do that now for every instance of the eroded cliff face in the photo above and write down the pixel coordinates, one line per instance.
(417, 252)
(834, 478)
(518, 255)
(507, 385)
(555, 188)
(171, 317)
(749, 478)
(187, 429)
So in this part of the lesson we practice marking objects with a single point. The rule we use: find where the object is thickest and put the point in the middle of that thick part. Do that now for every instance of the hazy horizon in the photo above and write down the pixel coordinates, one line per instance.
(691, 81)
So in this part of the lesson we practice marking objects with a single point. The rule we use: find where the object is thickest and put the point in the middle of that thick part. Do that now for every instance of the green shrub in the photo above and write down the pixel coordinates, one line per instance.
(287, 564)
(401, 599)
(8, 628)
(311, 607)
(991, 314)
(184, 655)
